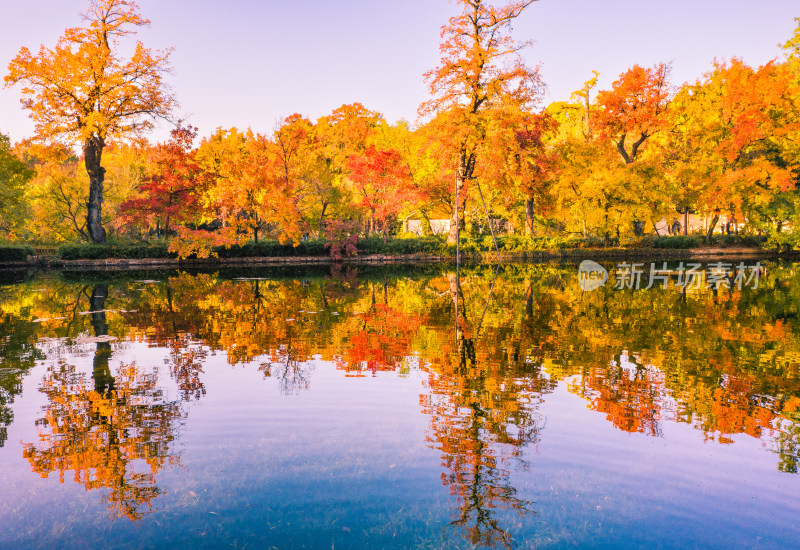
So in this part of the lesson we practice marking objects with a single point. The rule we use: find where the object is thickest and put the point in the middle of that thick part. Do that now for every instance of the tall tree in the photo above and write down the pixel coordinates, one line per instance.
(519, 161)
(168, 194)
(634, 108)
(480, 67)
(383, 186)
(85, 91)
(734, 138)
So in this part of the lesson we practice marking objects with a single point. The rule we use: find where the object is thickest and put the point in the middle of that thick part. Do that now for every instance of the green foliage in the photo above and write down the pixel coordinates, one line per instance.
(739, 240)
(269, 249)
(159, 249)
(15, 253)
(416, 245)
(88, 251)
(525, 243)
(404, 246)
(14, 176)
(783, 242)
(677, 241)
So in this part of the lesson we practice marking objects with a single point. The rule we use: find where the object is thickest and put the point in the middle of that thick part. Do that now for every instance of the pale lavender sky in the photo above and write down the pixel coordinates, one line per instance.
(249, 63)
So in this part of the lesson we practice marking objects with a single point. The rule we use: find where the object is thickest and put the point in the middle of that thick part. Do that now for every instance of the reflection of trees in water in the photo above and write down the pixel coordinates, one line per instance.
(186, 360)
(293, 373)
(378, 339)
(114, 432)
(483, 414)
(631, 395)
(117, 438)
(726, 364)
(787, 442)
(481, 424)
(18, 354)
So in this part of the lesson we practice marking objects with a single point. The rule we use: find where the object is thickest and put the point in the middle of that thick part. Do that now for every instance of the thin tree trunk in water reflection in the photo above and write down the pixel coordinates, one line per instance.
(101, 373)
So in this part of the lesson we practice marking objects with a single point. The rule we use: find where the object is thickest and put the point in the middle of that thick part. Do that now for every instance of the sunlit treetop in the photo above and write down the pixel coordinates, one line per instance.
(480, 60)
(634, 108)
(84, 88)
(792, 46)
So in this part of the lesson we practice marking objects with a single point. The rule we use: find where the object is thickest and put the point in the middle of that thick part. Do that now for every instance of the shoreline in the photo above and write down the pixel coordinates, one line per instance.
(113, 264)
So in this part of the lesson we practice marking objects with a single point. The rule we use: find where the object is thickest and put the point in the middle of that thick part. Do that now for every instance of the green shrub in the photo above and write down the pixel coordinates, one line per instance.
(397, 246)
(89, 251)
(524, 243)
(677, 241)
(15, 253)
(85, 251)
(370, 245)
(739, 240)
(415, 245)
(273, 249)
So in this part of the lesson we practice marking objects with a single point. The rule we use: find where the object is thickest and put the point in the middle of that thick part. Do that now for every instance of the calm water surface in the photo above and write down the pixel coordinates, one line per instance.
(397, 409)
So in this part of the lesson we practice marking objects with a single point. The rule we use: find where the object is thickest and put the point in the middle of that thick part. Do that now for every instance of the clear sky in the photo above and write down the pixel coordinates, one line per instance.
(249, 62)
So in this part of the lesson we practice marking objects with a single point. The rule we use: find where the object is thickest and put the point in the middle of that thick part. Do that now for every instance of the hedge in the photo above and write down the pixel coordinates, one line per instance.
(376, 245)
(15, 253)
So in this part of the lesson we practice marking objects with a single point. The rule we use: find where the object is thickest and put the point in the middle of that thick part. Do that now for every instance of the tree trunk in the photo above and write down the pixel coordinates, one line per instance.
(529, 216)
(686, 221)
(711, 227)
(457, 217)
(455, 224)
(320, 228)
(92, 156)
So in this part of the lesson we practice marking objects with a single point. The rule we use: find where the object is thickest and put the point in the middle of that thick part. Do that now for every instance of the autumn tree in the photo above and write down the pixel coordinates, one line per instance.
(634, 108)
(586, 191)
(299, 167)
(250, 193)
(520, 161)
(629, 114)
(734, 138)
(85, 91)
(383, 186)
(607, 183)
(168, 194)
(56, 194)
(345, 132)
(479, 68)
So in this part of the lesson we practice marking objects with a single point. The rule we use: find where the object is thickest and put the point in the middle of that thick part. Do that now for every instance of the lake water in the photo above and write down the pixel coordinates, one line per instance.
(399, 408)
